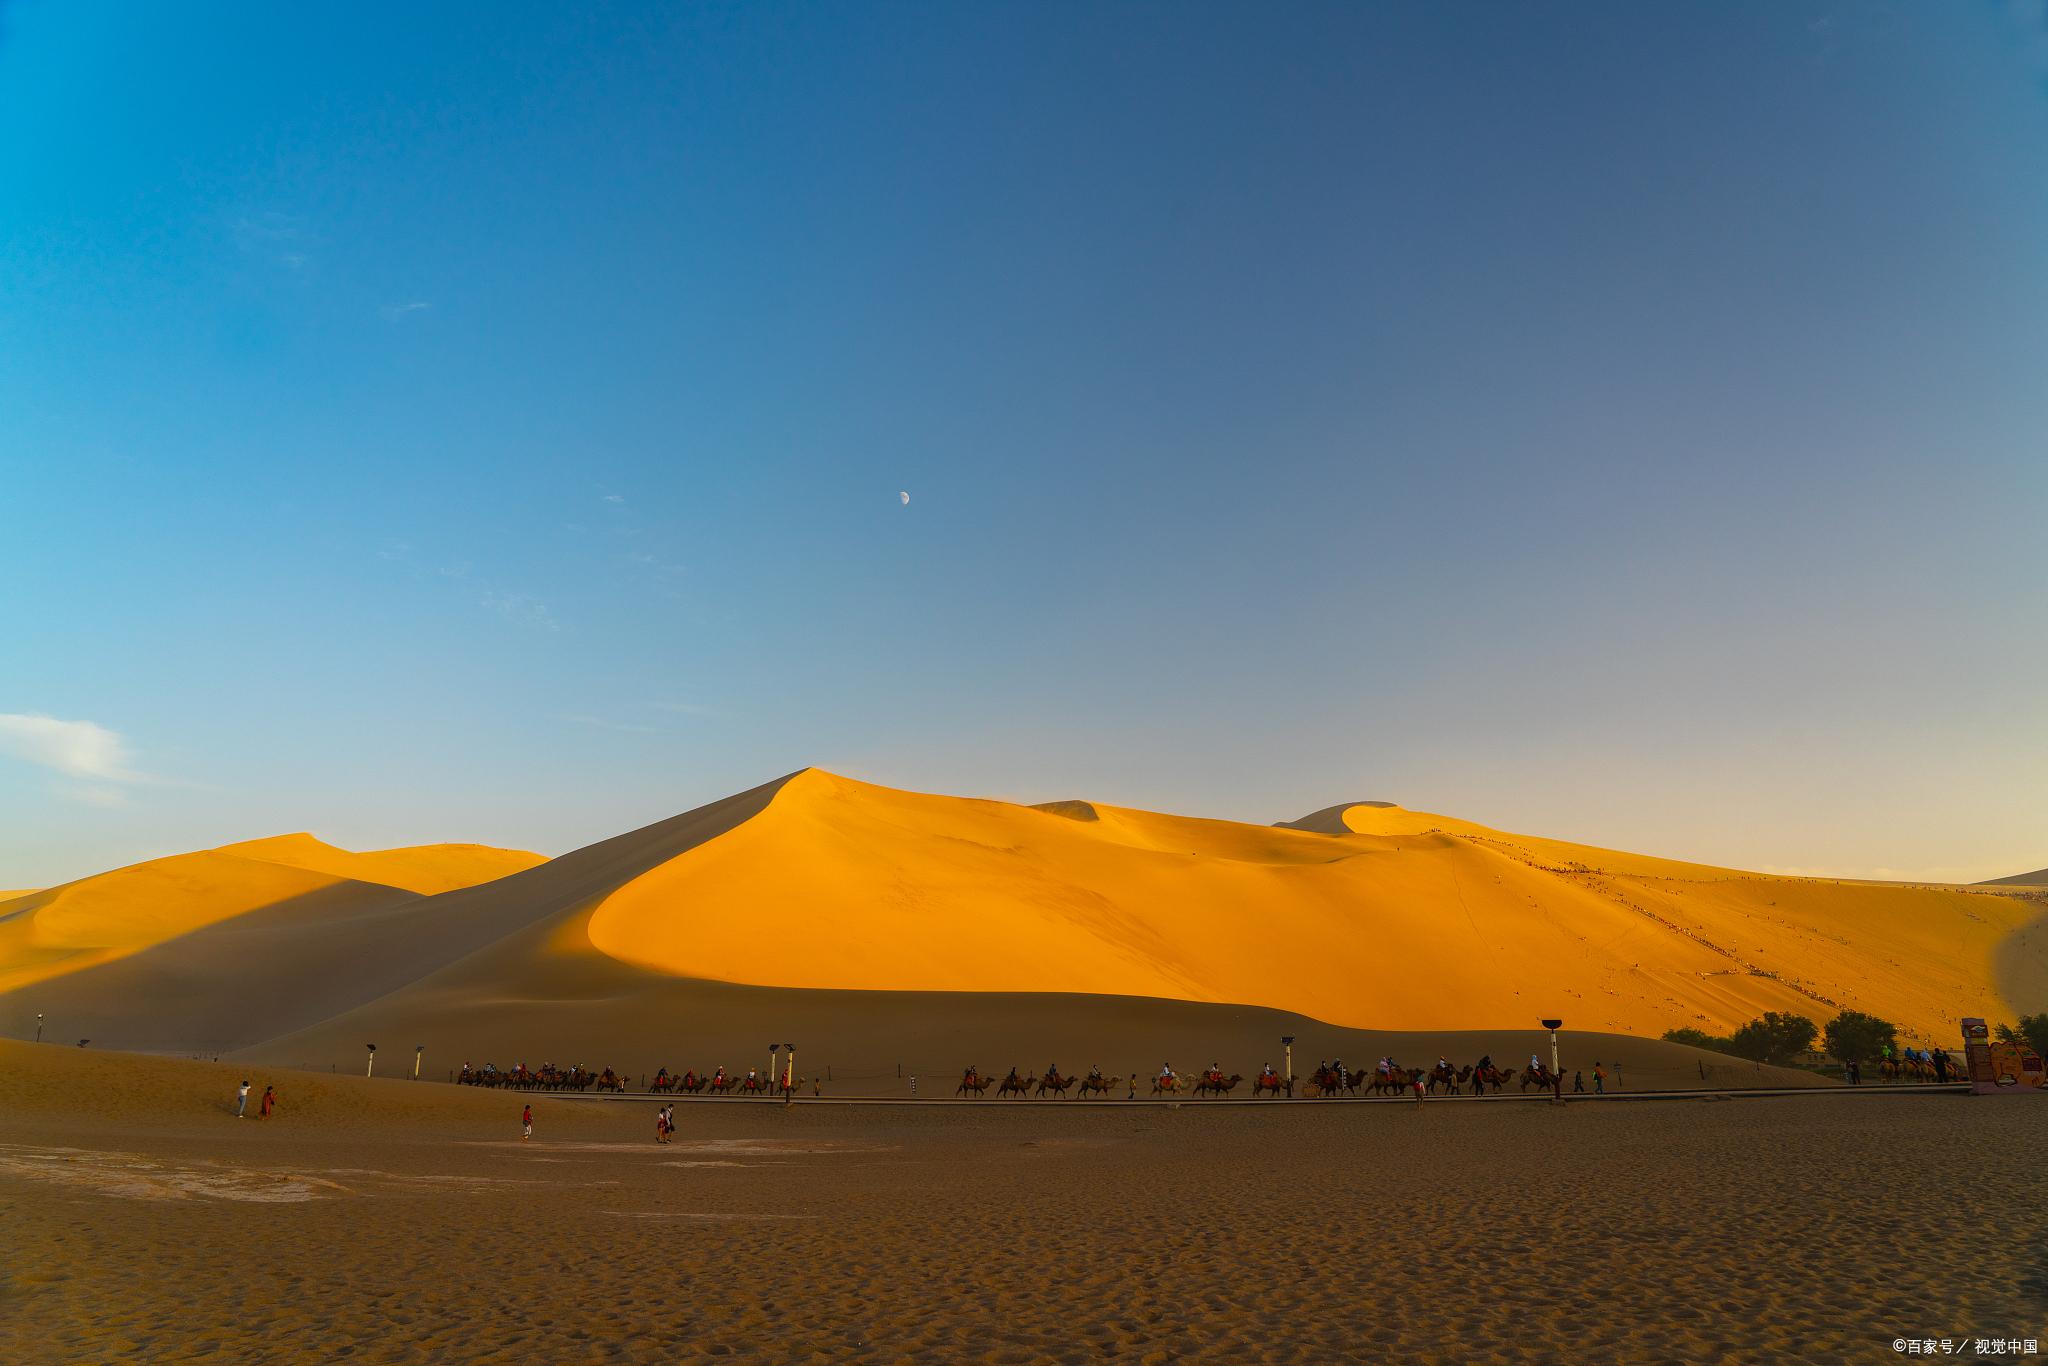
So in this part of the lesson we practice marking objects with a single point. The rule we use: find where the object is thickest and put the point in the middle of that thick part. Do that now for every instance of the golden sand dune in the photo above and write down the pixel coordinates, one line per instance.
(107, 917)
(425, 869)
(861, 915)
(236, 967)
(1404, 921)
(2037, 878)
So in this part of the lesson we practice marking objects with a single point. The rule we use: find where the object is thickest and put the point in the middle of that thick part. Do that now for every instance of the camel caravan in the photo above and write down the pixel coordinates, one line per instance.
(1328, 1080)
(546, 1077)
(723, 1083)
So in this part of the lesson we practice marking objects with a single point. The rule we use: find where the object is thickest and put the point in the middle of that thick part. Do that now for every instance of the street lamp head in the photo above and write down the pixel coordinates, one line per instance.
(1287, 1039)
(1553, 1024)
(419, 1048)
(372, 1047)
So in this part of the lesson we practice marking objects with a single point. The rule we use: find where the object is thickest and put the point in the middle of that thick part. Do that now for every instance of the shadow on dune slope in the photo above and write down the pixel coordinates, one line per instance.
(291, 965)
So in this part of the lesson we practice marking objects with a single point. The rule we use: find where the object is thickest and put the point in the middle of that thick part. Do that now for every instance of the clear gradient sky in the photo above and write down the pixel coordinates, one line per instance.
(1621, 422)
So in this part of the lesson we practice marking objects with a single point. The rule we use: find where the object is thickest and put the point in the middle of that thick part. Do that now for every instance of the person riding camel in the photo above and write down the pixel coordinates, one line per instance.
(1167, 1074)
(1267, 1071)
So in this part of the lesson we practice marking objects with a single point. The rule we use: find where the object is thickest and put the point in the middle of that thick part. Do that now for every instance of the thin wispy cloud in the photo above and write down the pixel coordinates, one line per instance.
(279, 238)
(521, 609)
(614, 498)
(91, 761)
(685, 708)
(602, 723)
(397, 311)
(78, 749)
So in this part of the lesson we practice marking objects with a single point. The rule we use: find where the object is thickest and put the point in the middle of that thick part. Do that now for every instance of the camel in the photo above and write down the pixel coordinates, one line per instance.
(1444, 1075)
(1220, 1086)
(1540, 1077)
(1013, 1085)
(1094, 1084)
(1055, 1083)
(691, 1083)
(662, 1084)
(1395, 1079)
(1169, 1086)
(1496, 1077)
(720, 1085)
(972, 1082)
(1328, 1081)
(1271, 1084)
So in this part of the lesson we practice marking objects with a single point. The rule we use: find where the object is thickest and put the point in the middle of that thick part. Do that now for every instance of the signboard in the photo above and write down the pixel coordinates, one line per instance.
(1999, 1068)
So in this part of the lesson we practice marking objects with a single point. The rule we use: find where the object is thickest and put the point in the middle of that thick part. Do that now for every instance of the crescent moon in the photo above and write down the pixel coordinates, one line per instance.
(905, 497)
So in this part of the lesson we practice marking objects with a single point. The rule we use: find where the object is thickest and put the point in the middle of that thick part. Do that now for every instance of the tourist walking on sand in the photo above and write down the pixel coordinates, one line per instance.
(269, 1101)
(1599, 1078)
(526, 1124)
(242, 1099)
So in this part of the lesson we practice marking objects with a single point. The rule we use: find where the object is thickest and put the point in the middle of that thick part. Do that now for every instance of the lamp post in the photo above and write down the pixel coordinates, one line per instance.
(1287, 1042)
(39, 1026)
(419, 1050)
(371, 1068)
(789, 1076)
(1556, 1073)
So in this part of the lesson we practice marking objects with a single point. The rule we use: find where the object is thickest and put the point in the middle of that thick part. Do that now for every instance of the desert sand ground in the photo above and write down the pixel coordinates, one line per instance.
(390, 1221)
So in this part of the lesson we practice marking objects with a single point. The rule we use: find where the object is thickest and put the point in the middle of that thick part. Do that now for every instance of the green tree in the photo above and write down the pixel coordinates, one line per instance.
(1853, 1036)
(1697, 1038)
(1776, 1038)
(2033, 1032)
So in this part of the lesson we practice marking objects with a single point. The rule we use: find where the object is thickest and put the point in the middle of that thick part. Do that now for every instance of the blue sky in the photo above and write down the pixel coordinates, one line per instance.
(1621, 422)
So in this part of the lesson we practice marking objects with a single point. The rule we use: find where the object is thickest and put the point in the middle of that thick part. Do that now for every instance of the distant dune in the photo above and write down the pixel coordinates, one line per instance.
(885, 922)
(2037, 878)
(1330, 820)
(101, 919)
